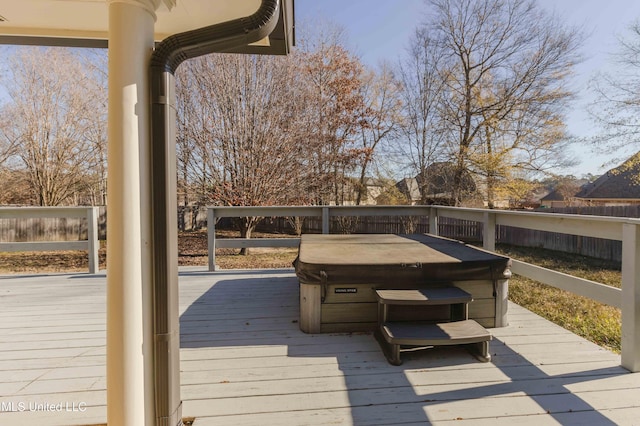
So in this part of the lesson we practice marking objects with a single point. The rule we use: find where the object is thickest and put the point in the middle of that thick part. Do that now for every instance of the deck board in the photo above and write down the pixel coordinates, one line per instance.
(244, 361)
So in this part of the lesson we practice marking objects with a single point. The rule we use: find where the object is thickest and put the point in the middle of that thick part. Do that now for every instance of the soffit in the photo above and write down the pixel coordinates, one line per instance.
(85, 22)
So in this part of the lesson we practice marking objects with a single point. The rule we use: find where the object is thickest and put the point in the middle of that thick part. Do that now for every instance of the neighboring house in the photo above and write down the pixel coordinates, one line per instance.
(372, 189)
(434, 185)
(561, 193)
(410, 188)
(553, 199)
(534, 199)
(619, 186)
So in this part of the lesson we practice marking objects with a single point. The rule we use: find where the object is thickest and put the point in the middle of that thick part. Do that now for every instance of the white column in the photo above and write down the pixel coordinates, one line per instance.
(631, 297)
(433, 221)
(130, 399)
(489, 231)
(326, 224)
(92, 238)
(211, 237)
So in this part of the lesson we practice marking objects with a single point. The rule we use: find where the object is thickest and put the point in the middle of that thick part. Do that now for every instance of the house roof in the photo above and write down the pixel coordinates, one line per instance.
(563, 190)
(371, 181)
(438, 178)
(409, 187)
(436, 182)
(553, 196)
(622, 182)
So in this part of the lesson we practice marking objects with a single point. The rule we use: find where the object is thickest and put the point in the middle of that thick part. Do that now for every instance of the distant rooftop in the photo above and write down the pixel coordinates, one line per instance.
(622, 182)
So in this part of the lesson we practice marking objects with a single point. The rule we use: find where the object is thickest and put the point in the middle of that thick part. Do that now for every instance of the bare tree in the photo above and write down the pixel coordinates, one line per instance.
(332, 77)
(94, 123)
(8, 141)
(378, 120)
(238, 133)
(50, 114)
(192, 192)
(422, 88)
(532, 139)
(568, 187)
(502, 63)
(616, 108)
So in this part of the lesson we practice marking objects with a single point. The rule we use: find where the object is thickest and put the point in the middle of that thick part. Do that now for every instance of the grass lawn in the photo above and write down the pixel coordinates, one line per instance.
(592, 320)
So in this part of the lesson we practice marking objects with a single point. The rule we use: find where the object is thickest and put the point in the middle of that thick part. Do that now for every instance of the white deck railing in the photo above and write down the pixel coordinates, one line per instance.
(91, 244)
(621, 229)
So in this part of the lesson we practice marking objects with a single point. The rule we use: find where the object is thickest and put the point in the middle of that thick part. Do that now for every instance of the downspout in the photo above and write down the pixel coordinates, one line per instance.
(169, 54)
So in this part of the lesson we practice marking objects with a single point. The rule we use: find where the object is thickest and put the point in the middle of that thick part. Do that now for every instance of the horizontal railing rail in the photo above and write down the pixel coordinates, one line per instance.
(592, 226)
(91, 244)
(626, 230)
(324, 212)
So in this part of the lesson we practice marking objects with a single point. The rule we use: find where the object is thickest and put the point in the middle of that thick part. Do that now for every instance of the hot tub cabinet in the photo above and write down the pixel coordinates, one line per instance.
(339, 276)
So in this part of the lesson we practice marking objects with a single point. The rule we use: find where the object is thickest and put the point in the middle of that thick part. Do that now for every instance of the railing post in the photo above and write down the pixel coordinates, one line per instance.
(489, 231)
(92, 239)
(631, 297)
(433, 221)
(211, 237)
(325, 220)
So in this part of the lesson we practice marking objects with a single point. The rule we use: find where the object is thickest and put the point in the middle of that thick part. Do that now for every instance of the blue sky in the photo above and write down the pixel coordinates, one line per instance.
(380, 29)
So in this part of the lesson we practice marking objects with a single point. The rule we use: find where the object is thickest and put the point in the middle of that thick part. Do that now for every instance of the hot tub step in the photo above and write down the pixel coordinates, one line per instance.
(427, 296)
(420, 334)
(393, 335)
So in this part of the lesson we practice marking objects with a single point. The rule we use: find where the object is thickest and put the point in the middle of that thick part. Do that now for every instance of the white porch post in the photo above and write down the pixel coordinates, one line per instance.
(325, 220)
(489, 231)
(130, 398)
(211, 237)
(631, 297)
(433, 221)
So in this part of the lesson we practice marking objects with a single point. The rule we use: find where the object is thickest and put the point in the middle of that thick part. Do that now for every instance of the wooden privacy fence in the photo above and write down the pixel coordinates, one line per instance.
(587, 246)
(28, 230)
(465, 230)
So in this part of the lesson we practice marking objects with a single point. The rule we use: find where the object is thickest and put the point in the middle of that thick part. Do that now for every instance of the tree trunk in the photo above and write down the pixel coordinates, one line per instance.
(247, 225)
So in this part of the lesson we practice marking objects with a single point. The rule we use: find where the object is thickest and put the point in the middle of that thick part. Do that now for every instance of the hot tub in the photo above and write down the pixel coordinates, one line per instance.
(339, 274)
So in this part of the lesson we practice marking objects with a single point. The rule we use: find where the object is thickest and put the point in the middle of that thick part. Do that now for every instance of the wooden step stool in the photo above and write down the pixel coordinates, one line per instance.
(459, 330)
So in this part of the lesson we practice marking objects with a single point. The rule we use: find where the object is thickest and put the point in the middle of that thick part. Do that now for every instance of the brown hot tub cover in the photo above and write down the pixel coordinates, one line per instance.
(387, 258)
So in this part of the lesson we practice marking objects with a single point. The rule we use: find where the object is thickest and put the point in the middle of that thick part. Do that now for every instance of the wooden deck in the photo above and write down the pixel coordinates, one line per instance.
(245, 362)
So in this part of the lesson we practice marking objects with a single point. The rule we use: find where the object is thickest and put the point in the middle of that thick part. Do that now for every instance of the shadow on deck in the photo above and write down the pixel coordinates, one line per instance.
(244, 361)
(289, 377)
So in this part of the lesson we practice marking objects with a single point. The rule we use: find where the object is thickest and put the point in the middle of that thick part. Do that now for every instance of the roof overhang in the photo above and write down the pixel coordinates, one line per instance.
(85, 23)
